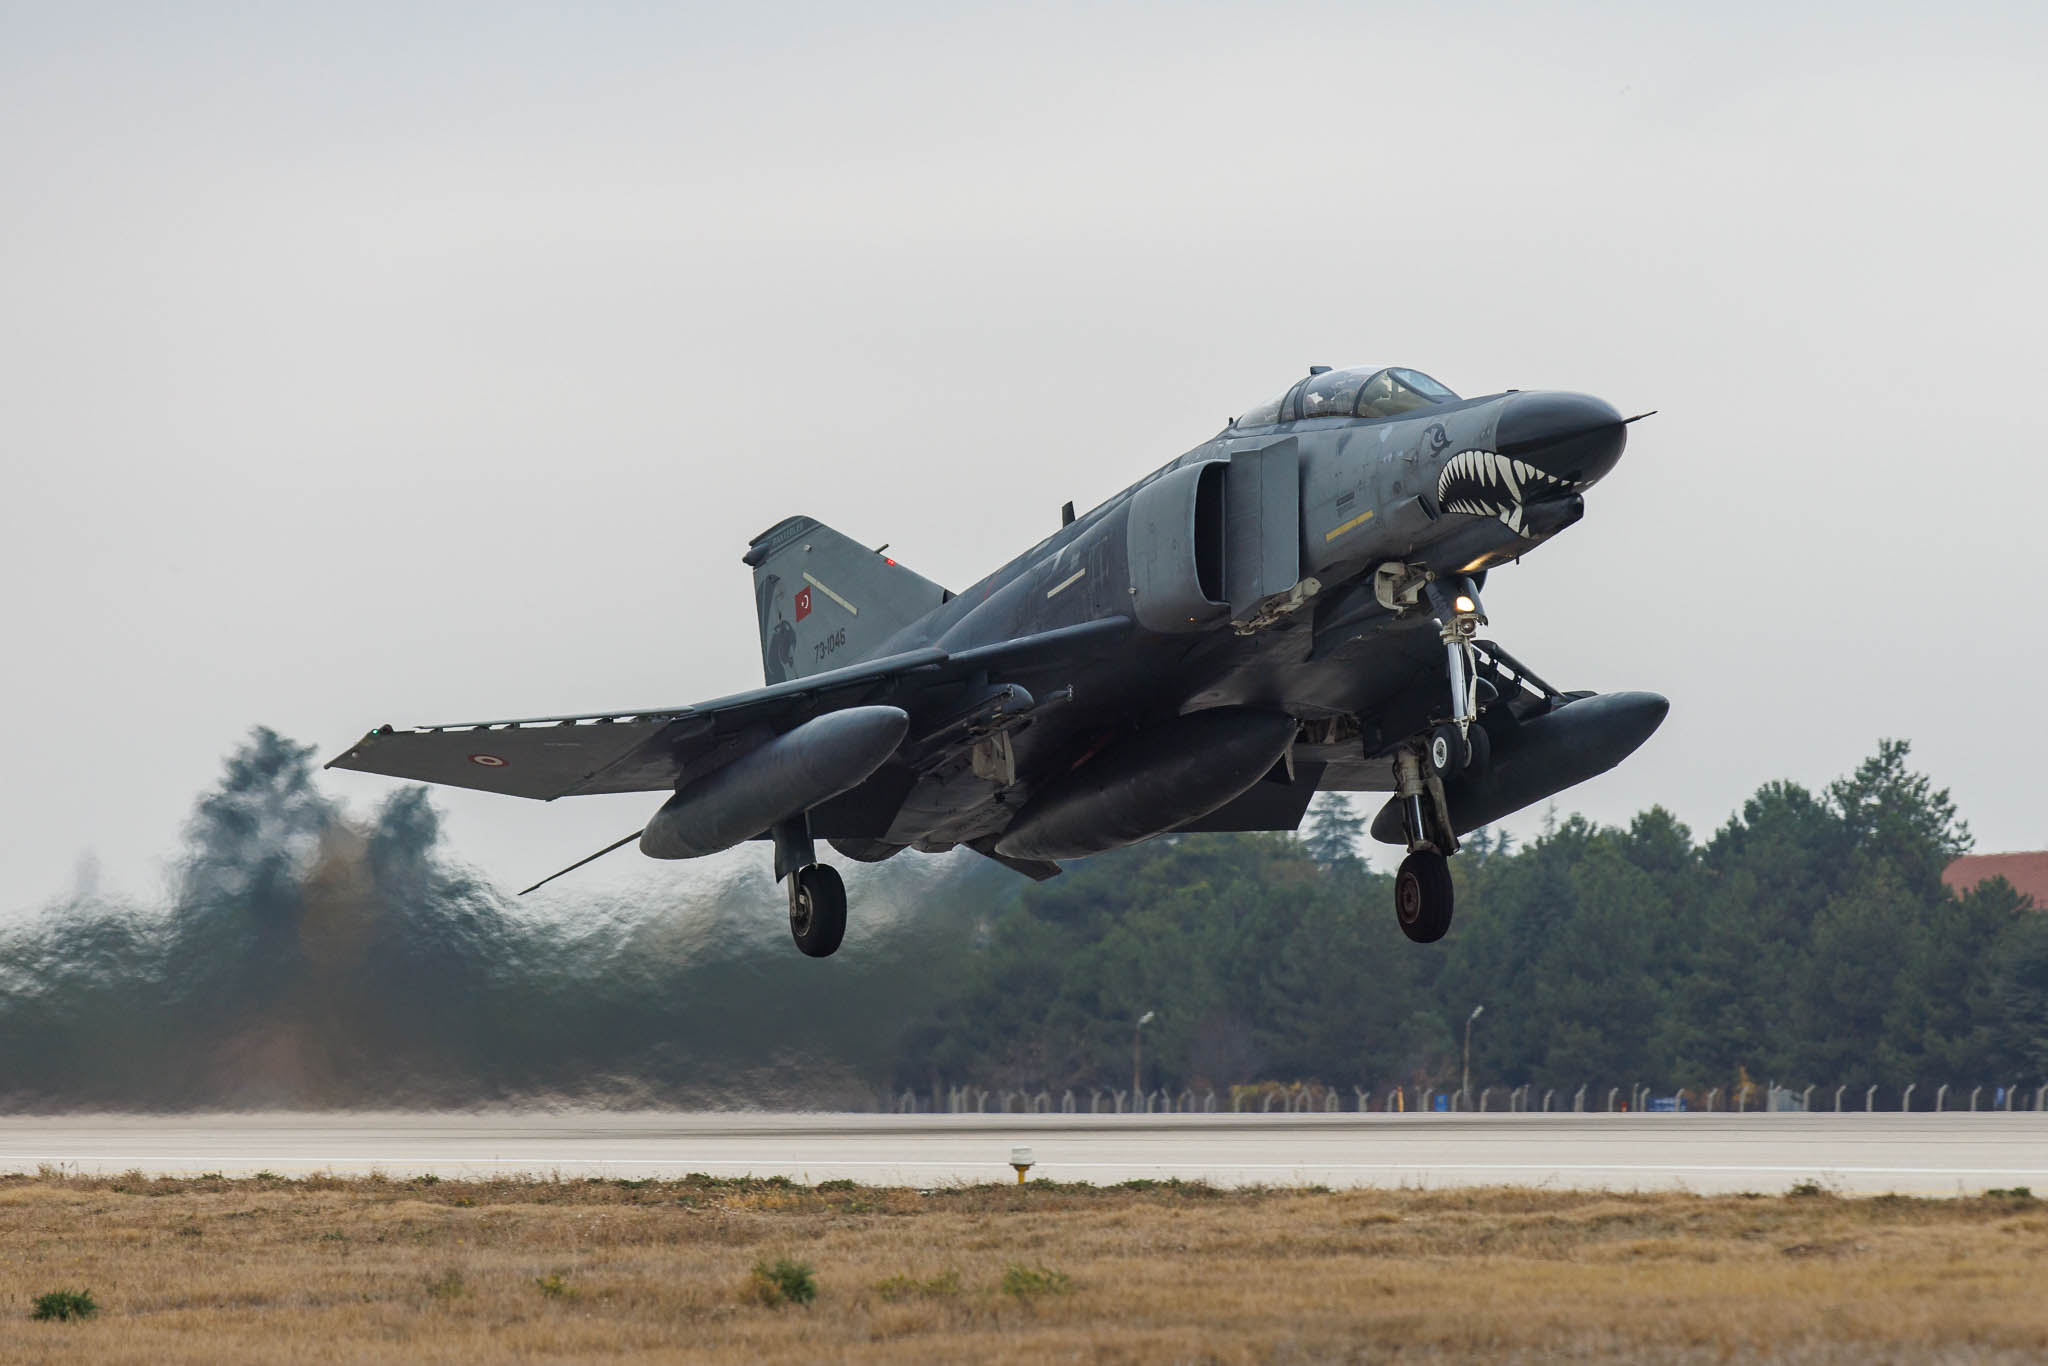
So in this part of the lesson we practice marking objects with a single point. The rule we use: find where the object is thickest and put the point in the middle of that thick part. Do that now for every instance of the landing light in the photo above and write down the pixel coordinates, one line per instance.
(1464, 603)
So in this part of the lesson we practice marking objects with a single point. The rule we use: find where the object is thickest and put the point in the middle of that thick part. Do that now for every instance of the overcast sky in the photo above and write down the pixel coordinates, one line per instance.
(422, 364)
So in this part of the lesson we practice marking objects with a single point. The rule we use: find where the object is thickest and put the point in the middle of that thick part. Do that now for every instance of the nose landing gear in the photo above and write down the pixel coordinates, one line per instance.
(1449, 751)
(1454, 744)
(1423, 896)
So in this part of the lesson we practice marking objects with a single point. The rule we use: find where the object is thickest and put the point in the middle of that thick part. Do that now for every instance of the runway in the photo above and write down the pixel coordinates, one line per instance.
(1928, 1154)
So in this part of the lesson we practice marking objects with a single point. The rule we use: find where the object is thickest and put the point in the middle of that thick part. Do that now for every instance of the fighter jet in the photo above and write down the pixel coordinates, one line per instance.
(1291, 607)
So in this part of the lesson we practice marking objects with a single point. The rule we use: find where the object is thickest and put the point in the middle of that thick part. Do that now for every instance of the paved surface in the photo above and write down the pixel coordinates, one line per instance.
(1922, 1153)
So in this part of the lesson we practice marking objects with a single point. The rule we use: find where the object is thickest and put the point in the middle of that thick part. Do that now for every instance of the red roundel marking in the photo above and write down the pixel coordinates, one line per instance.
(487, 760)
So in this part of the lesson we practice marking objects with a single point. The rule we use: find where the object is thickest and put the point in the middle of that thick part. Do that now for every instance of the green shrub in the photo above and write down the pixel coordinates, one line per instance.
(1026, 1281)
(447, 1286)
(555, 1288)
(2020, 1193)
(781, 1281)
(64, 1305)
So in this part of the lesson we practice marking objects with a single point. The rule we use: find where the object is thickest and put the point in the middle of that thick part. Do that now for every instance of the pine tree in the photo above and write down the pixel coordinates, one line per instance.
(1333, 831)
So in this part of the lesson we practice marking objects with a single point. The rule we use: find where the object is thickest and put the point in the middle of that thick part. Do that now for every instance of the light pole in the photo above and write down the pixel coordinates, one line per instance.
(1467, 1090)
(1137, 1055)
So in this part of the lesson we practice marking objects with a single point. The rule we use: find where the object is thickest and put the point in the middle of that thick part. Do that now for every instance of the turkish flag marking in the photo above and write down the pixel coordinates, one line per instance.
(803, 603)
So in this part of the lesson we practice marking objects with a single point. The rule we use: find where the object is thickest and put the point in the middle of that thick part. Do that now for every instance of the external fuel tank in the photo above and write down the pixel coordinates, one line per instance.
(1158, 779)
(1569, 744)
(790, 774)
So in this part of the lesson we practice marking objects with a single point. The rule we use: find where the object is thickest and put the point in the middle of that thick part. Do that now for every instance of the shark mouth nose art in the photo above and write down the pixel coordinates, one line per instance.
(1488, 484)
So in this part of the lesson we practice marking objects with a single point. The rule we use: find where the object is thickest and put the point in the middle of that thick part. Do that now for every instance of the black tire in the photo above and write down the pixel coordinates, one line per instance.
(1448, 751)
(817, 910)
(1423, 897)
(1481, 758)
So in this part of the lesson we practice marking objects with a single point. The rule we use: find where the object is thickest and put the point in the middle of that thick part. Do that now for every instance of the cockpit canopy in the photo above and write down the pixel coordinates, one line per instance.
(1357, 392)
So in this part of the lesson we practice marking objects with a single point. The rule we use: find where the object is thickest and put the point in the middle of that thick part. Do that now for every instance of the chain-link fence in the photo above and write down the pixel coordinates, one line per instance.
(1586, 1098)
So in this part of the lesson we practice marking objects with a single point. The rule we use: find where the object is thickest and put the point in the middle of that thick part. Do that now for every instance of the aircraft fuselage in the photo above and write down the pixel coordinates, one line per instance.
(1449, 490)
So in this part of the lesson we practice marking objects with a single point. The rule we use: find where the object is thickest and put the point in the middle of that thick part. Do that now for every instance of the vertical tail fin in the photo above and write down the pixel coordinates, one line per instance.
(825, 601)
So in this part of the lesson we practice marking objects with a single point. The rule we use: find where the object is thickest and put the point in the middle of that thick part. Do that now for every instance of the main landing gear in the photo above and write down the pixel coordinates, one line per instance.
(1422, 896)
(817, 897)
(1422, 889)
(817, 909)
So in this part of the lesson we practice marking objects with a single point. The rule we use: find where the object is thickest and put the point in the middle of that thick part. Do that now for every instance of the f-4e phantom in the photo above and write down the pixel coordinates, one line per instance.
(1292, 607)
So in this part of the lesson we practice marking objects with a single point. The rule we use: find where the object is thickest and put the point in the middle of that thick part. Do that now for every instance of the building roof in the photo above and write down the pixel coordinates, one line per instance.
(2028, 873)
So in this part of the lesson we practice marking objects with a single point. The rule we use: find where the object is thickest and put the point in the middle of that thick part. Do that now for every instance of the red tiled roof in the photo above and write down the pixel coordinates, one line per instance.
(2028, 873)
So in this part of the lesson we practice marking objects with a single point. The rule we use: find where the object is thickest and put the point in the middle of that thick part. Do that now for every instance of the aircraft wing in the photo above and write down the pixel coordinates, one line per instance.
(649, 750)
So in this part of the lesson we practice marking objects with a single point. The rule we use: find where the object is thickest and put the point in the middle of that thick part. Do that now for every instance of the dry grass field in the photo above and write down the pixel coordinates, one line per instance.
(269, 1270)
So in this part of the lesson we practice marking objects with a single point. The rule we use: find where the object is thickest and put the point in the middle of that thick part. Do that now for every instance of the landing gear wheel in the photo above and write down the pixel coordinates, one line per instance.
(817, 909)
(1422, 896)
(1482, 751)
(1449, 751)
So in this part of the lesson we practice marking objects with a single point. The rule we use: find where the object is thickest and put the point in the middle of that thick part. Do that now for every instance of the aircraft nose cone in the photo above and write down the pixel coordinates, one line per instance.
(1574, 437)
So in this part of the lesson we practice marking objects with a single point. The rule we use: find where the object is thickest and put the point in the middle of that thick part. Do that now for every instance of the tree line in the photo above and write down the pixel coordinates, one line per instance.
(308, 956)
(1810, 939)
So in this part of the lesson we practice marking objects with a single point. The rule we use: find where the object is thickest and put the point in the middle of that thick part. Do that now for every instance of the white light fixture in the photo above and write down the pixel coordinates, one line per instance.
(1021, 1159)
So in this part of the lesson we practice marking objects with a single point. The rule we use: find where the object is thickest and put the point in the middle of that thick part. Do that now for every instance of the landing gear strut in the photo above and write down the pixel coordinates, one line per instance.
(1452, 747)
(817, 898)
(1423, 898)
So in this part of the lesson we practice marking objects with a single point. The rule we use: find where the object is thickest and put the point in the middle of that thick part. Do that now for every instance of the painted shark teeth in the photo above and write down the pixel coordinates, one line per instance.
(1489, 484)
